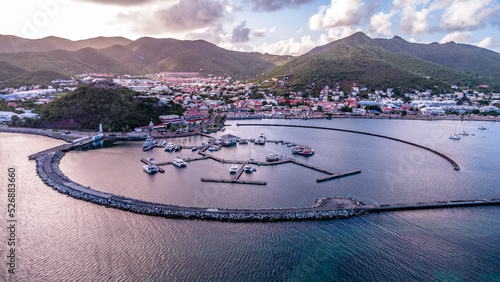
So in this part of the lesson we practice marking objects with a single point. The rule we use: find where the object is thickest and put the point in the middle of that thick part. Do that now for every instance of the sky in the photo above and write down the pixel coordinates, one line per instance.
(282, 27)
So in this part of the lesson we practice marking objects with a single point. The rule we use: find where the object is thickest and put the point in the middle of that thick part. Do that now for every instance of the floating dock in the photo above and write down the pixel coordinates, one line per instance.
(338, 175)
(234, 181)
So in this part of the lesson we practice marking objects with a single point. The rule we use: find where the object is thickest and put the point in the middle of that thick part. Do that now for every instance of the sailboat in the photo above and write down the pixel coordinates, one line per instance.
(455, 136)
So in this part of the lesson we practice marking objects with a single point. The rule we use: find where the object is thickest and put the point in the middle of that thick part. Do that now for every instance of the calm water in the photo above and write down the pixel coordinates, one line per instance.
(61, 238)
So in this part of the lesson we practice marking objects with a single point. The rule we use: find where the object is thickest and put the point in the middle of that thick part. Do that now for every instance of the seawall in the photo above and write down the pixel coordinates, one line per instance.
(49, 172)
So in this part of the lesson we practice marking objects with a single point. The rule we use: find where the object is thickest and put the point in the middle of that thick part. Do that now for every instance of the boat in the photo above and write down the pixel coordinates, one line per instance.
(177, 148)
(151, 160)
(214, 148)
(149, 142)
(262, 136)
(306, 152)
(170, 147)
(178, 162)
(464, 133)
(150, 168)
(204, 144)
(234, 169)
(249, 168)
(194, 148)
(272, 158)
(162, 143)
(261, 141)
(243, 141)
(297, 149)
(455, 136)
(481, 127)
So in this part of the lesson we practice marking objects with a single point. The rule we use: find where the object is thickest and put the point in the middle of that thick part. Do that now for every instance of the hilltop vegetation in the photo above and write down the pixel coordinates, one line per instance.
(375, 63)
(383, 63)
(115, 109)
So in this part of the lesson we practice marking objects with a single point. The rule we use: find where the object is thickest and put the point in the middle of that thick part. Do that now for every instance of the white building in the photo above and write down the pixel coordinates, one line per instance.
(432, 111)
(6, 116)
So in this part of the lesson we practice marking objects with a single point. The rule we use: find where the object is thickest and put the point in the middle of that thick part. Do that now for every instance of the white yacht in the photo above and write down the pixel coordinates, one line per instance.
(249, 168)
(272, 158)
(214, 148)
(178, 162)
(455, 137)
(481, 127)
(234, 169)
(170, 147)
(150, 168)
(262, 136)
(151, 160)
(149, 142)
(464, 133)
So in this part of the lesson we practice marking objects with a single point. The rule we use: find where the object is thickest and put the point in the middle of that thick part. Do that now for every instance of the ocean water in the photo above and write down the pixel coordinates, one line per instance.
(61, 238)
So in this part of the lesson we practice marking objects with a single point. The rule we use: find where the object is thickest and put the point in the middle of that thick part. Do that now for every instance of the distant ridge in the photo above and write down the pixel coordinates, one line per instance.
(11, 43)
(376, 63)
(392, 63)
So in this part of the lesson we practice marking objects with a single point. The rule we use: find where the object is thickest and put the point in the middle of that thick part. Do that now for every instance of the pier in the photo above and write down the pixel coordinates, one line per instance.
(338, 175)
(451, 161)
(234, 181)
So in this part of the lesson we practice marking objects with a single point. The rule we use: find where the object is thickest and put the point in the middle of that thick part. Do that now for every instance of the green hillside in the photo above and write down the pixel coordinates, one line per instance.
(116, 109)
(363, 60)
(39, 77)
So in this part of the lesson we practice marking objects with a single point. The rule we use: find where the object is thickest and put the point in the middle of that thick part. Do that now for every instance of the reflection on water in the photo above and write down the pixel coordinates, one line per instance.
(392, 172)
(61, 238)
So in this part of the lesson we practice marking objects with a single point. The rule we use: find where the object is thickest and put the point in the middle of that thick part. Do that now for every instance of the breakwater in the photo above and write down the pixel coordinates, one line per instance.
(451, 161)
(326, 208)
(49, 172)
(33, 131)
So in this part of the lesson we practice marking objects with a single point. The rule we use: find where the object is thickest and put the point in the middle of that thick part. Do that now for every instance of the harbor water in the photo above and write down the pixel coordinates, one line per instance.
(61, 238)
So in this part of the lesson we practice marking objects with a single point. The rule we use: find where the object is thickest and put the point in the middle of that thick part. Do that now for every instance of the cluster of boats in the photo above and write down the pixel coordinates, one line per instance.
(456, 136)
(247, 168)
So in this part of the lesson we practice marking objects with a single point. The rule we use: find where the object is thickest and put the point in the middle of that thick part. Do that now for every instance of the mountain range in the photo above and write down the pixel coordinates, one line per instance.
(358, 58)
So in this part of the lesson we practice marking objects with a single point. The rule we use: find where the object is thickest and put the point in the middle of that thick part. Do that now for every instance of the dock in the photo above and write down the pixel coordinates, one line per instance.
(311, 167)
(234, 181)
(338, 175)
(154, 164)
(240, 171)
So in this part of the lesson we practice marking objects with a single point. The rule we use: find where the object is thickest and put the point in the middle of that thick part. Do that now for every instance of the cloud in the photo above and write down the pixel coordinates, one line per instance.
(183, 16)
(191, 15)
(260, 32)
(119, 2)
(240, 33)
(405, 3)
(274, 5)
(412, 21)
(488, 43)
(468, 14)
(457, 36)
(305, 44)
(338, 13)
(288, 47)
(381, 23)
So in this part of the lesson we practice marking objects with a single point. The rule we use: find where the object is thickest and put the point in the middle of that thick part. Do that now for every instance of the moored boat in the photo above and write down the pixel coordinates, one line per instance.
(455, 137)
(149, 142)
(150, 168)
(170, 147)
(233, 169)
(249, 168)
(178, 162)
(481, 127)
